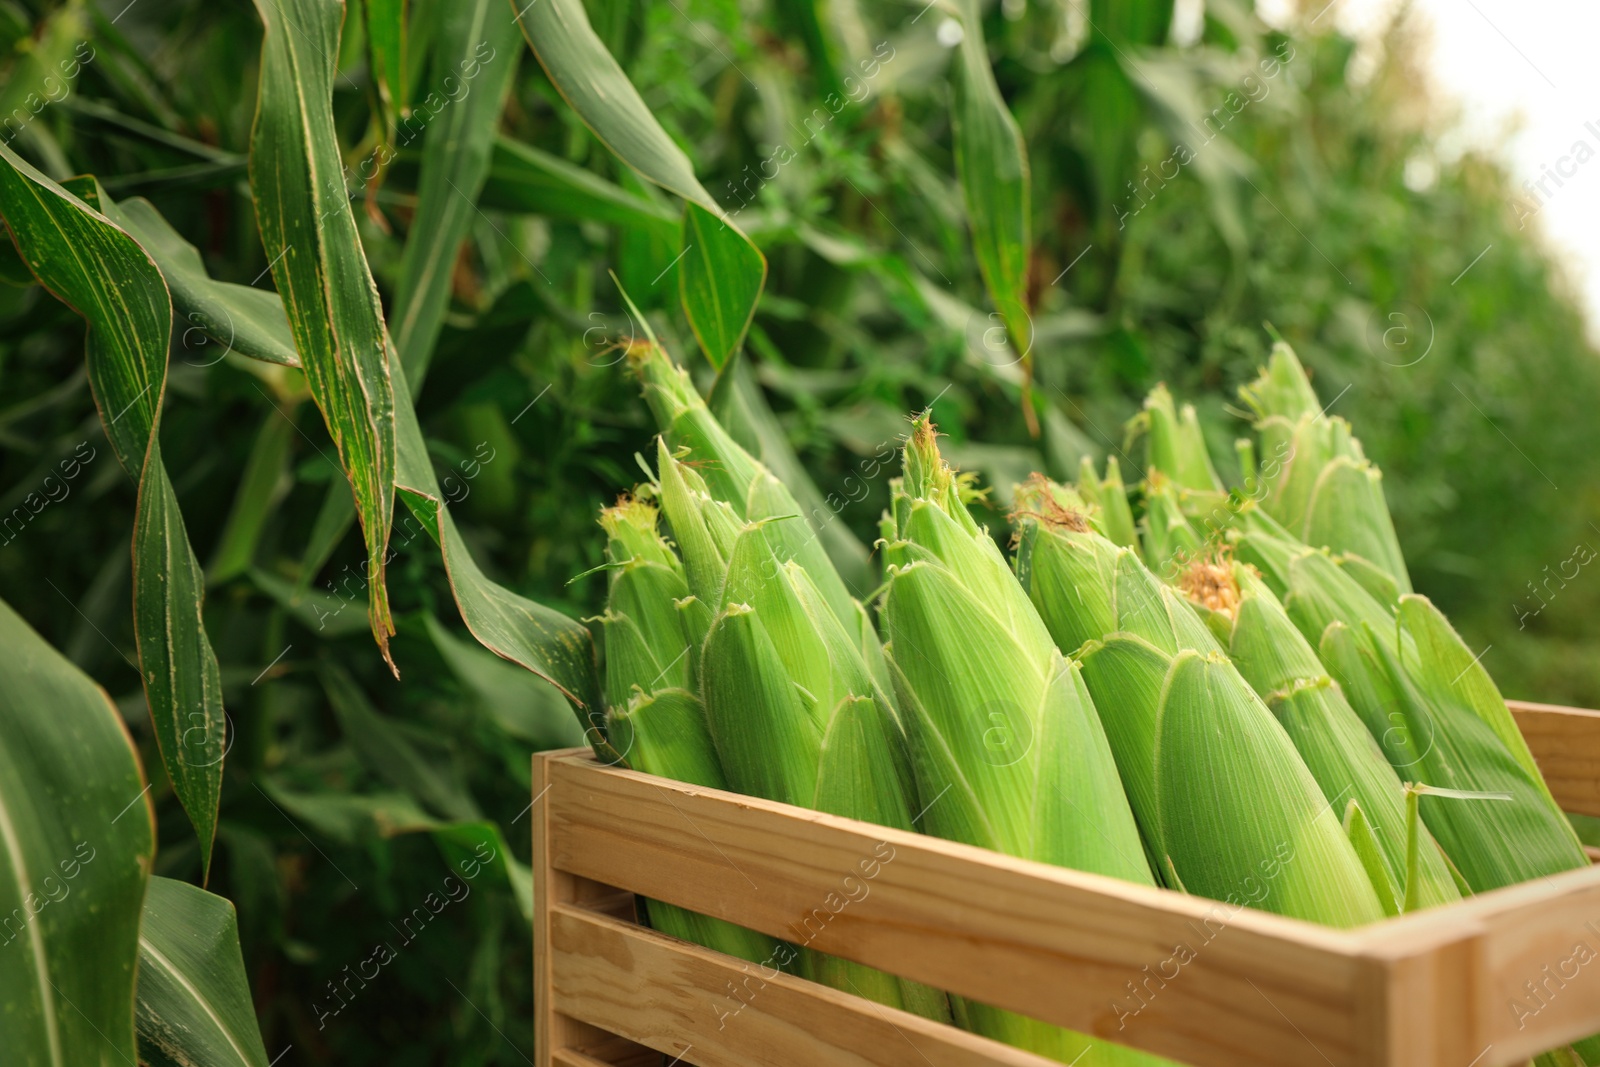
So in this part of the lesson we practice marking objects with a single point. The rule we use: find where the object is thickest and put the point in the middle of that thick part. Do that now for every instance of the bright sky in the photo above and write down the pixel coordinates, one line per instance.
(1526, 66)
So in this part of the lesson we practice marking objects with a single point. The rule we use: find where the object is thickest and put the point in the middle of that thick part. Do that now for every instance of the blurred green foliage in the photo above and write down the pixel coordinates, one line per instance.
(1183, 195)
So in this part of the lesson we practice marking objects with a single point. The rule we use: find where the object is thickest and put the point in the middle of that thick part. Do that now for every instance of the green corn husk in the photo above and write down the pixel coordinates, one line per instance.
(655, 719)
(1241, 818)
(733, 476)
(1170, 540)
(1005, 743)
(1108, 499)
(1324, 489)
(1434, 711)
(1436, 714)
(1343, 757)
(1085, 587)
(793, 708)
(1174, 442)
(738, 404)
(1224, 800)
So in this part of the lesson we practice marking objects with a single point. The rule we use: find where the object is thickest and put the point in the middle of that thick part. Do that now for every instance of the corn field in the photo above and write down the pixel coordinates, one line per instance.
(783, 397)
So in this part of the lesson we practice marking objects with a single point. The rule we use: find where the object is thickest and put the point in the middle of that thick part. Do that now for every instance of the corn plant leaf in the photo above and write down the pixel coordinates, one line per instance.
(720, 280)
(74, 820)
(386, 44)
(194, 1002)
(553, 646)
(524, 706)
(476, 43)
(240, 318)
(992, 163)
(322, 613)
(308, 231)
(592, 82)
(261, 487)
(105, 276)
(527, 179)
(719, 291)
(352, 818)
(805, 19)
(544, 641)
(333, 521)
(479, 848)
(391, 755)
(56, 52)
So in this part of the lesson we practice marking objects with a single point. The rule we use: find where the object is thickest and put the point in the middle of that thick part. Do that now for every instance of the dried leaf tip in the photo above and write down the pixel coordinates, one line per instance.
(1209, 582)
(1052, 505)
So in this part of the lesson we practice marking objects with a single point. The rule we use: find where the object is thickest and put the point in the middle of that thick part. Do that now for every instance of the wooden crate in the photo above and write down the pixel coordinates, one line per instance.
(1434, 989)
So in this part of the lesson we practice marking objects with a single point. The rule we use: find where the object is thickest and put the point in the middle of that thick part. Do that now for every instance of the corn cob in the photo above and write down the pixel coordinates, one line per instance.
(1419, 690)
(1342, 756)
(1004, 739)
(1328, 494)
(792, 706)
(1436, 713)
(1108, 499)
(750, 491)
(1170, 540)
(1225, 803)
(655, 719)
(1174, 442)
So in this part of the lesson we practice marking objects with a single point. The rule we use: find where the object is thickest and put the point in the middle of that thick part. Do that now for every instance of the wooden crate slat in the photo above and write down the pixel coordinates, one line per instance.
(1507, 938)
(1052, 943)
(1436, 989)
(612, 1052)
(1566, 744)
(620, 1053)
(577, 1059)
(552, 1030)
(650, 988)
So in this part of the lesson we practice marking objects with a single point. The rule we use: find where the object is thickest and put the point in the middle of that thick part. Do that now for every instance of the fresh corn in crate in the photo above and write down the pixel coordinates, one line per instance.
(1489, 981)
(1076, 806)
